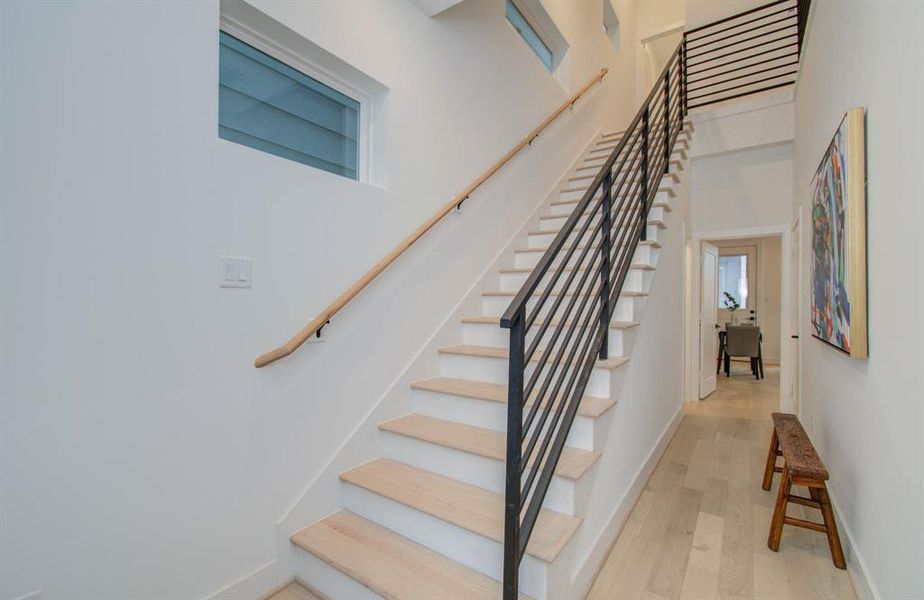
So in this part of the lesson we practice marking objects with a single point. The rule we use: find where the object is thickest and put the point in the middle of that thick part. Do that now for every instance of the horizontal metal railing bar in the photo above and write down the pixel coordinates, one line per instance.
(736, 16)
(740, 50)
(569, 253)
(756, 27)
(758, 36)
(743, 85)
(742, 94)
(563, 293)
(690, 82)
(535, 504)
(551, 344)
(555, 391)
(738, 60)
(695, 91)
(557, 365)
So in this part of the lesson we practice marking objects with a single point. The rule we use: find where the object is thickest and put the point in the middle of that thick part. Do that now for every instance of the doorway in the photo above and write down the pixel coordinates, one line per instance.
(743, 279)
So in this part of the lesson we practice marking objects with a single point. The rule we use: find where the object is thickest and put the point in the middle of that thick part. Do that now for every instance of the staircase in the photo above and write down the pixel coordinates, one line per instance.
(427, 518)
(489, 487)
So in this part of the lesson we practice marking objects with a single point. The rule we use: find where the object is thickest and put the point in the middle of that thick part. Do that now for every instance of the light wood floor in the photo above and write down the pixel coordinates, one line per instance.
(699, 529)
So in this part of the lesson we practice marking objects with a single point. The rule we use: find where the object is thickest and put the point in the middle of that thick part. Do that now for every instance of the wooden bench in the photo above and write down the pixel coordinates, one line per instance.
(801, 466)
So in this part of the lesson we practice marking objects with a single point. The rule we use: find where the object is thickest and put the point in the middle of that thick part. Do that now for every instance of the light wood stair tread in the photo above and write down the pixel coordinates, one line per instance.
(652, 243)
(390, 564)
(572, 465)
(502, 353)
(591, 406)
(537, 293)
(634, 266)
(489, 320)
(649, 221)
(467, 506)
(668, 190)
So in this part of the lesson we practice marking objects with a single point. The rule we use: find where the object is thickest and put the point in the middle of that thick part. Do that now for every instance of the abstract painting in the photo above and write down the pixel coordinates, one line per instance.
(839, 240)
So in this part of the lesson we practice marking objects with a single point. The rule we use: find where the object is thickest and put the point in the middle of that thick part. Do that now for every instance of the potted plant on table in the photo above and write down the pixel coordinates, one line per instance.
(731, 304)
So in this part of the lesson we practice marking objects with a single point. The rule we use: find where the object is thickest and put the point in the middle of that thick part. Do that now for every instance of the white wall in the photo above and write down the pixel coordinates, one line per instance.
(140, 449)
(868, 415)
(742, 163)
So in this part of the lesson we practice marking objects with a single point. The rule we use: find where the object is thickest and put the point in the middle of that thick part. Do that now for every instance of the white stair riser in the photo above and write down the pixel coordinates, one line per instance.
(494, 370)
(495, 306)
(575, 194)
(553, 223)
(512, 282)
(634, 282)
(488, 414)
(327, 579)
(544, 239)
(662, 198)
(592, 163)
(470, 468)
(481, 334)
(645, 254)
(606, 147)
(470, 549)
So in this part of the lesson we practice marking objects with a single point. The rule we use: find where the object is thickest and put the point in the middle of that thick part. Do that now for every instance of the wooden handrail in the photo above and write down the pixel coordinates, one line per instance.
(322, 319)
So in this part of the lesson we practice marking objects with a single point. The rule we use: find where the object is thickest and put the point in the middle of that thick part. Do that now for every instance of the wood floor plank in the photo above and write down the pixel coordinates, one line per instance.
(667, 574)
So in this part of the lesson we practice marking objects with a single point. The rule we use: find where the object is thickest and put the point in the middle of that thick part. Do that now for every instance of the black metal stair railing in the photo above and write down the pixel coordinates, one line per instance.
(559, 321)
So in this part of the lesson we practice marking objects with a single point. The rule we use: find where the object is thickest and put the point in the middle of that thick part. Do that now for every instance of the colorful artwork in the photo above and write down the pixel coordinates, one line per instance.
(839, 240)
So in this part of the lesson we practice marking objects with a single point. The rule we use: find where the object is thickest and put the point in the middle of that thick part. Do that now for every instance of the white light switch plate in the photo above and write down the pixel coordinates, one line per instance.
(235, 272)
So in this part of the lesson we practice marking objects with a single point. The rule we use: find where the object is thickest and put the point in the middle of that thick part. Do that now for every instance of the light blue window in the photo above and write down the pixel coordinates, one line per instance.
(267, 105)
(529, 35)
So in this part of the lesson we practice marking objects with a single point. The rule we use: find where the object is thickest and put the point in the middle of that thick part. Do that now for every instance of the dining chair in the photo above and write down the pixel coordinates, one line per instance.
(744, 340)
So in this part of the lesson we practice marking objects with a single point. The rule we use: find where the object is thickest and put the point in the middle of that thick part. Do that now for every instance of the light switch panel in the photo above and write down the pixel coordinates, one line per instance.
(235, 272)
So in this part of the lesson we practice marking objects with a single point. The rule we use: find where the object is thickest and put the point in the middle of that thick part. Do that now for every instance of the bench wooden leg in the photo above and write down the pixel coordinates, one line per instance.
(771, 460)
(834, 540)
(779, 513)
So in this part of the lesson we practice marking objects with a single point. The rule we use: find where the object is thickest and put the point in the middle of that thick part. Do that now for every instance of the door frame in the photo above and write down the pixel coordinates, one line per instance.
(784, 232)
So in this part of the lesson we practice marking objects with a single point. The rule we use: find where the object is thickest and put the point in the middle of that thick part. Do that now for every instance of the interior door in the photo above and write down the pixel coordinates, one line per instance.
(708, 325)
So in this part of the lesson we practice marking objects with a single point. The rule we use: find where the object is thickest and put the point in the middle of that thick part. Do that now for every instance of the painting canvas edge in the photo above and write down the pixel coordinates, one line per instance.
(856, 195)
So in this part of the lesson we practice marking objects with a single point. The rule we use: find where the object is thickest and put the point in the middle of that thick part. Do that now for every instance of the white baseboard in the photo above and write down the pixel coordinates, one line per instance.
(856, 565)
(253, 585)
(588, 571)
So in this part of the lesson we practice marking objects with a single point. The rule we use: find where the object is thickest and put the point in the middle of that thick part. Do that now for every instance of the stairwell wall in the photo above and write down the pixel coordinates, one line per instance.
(866, 417)
(139, 447)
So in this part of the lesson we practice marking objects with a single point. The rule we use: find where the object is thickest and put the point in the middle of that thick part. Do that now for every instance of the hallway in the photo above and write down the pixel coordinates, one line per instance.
(699, 529)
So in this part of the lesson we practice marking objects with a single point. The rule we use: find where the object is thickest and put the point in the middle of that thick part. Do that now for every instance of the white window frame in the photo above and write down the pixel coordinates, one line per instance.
(302, 63)
(751, 252)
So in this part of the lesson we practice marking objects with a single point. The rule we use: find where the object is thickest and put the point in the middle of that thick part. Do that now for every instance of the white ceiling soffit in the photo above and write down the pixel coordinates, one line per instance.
(435, 7)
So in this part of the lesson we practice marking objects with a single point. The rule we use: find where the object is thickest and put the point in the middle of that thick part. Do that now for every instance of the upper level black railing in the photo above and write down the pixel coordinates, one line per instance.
(559, 320)
(753, 51)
